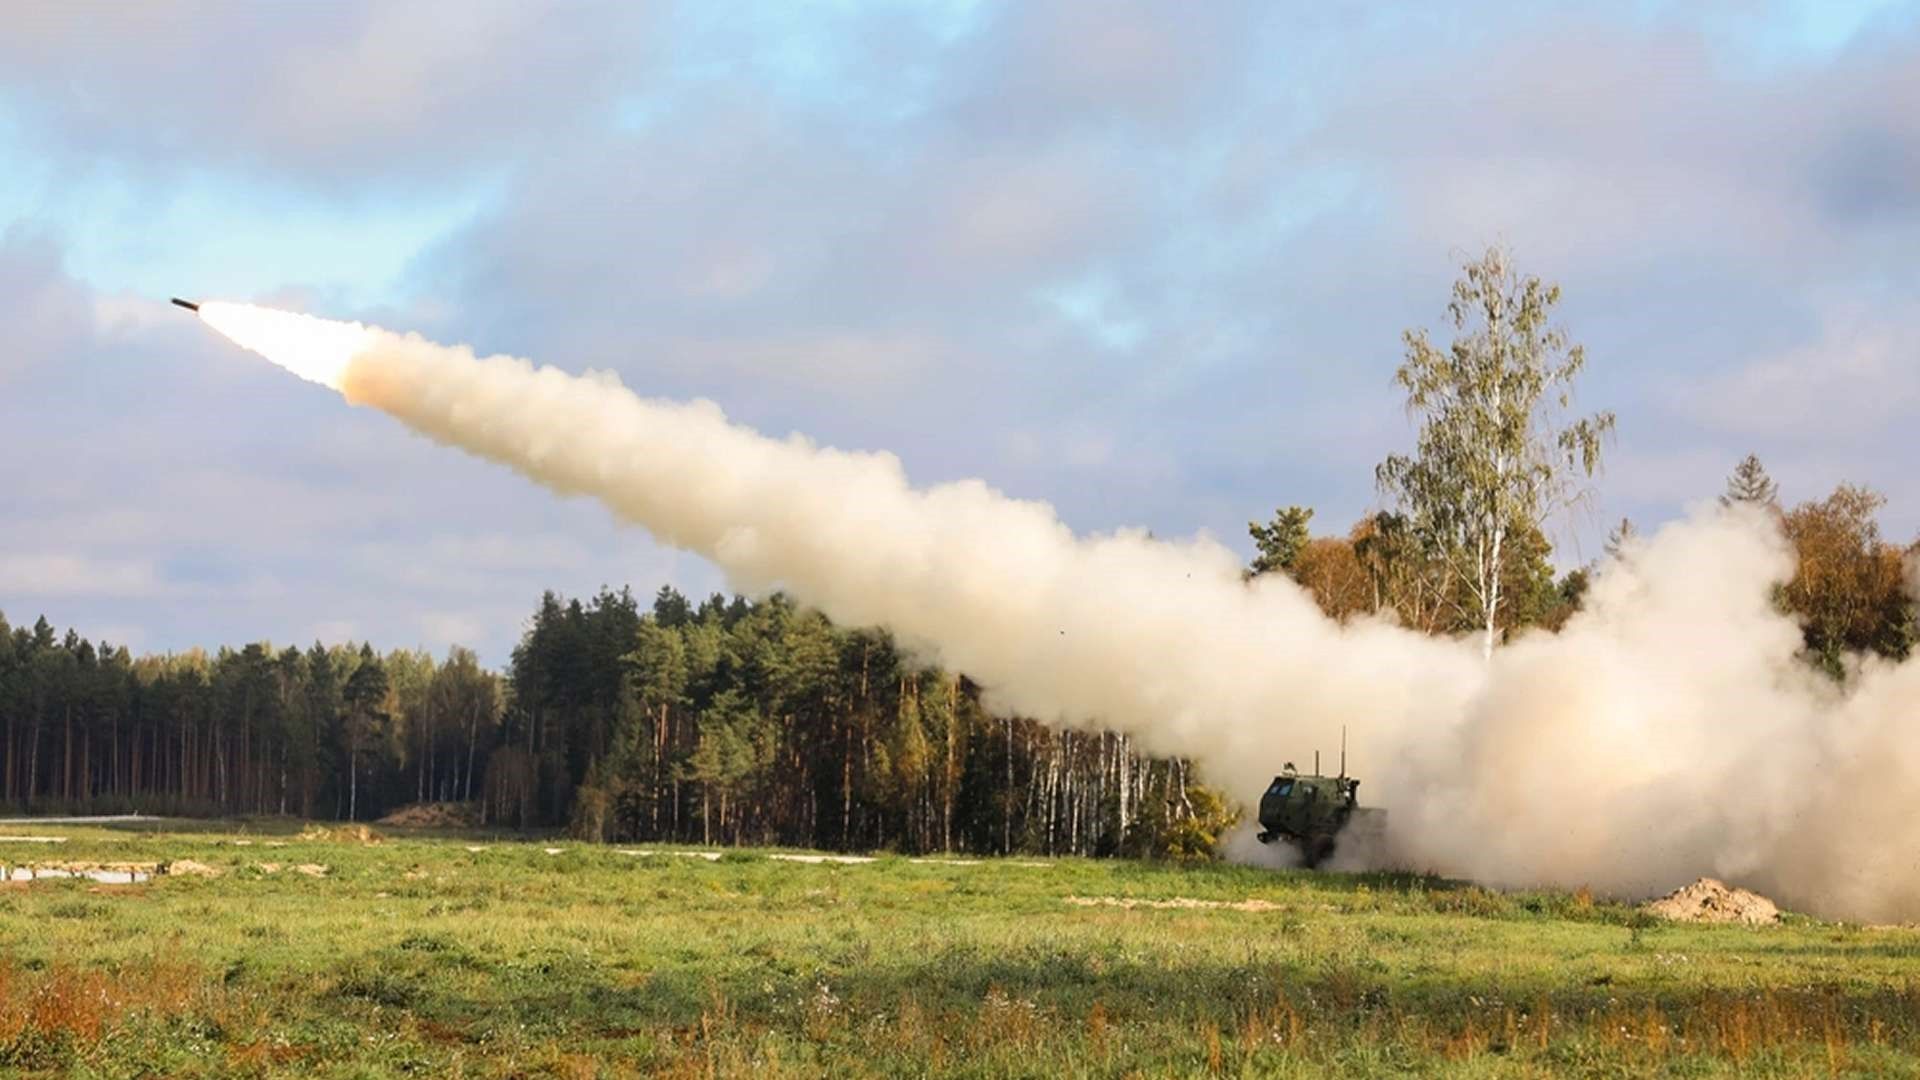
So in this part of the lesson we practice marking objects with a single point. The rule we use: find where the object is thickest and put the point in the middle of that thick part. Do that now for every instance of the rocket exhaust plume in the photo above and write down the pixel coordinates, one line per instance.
(1666, 732)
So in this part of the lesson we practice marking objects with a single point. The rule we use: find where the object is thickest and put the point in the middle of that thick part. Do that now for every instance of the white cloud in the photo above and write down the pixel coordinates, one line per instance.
(316, 93)
(444, 628)
(332, 632)
(52, 574)
(45, 313)
(1859, 377)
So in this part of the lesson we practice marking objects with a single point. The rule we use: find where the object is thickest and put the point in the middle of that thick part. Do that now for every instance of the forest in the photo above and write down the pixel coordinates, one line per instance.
(760, 722)
(731, 721)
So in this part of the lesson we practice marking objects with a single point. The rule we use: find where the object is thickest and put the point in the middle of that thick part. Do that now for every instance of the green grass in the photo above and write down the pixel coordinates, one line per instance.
(417, 957)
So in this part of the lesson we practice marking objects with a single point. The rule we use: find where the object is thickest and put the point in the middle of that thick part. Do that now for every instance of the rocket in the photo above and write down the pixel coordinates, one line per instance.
(188, 304)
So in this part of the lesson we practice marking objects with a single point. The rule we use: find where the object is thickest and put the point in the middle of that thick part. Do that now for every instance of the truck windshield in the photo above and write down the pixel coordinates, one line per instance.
(1282, 788)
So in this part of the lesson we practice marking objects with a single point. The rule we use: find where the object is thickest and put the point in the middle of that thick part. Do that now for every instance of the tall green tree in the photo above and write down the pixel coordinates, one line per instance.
(1277, 544)
(1493, 454)
(670, 609)
(467, 701)
(295, 735)
(659, 675)
(735, 745)
(323, 726)
(410, 677)
(368, 712)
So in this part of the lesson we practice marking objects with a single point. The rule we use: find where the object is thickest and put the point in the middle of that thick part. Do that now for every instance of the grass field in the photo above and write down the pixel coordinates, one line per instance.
(418, 956)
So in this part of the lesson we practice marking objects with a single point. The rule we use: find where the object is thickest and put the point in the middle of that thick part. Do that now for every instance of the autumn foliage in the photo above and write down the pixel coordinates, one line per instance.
(1849, 588)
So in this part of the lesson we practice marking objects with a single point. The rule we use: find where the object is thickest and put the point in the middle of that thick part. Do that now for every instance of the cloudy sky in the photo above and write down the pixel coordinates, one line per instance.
(1147, 261)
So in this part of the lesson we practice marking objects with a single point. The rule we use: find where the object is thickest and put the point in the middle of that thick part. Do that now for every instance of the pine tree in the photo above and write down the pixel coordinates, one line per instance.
(1279, 543)
(1751, 484)
(1622, 536)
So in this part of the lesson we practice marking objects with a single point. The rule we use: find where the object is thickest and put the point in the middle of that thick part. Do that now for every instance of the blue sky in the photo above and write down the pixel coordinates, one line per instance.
(1149, 262)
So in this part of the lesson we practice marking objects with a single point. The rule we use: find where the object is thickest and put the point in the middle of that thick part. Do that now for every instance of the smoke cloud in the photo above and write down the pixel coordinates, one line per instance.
(1666, 732)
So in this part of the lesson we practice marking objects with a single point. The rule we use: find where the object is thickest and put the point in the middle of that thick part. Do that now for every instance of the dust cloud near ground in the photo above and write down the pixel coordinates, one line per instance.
(1242, 845)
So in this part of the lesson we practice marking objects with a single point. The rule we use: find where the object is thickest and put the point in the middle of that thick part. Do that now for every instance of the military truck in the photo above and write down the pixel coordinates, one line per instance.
(1314, 812)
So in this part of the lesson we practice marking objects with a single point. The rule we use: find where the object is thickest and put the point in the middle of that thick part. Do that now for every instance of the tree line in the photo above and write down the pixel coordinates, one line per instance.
(337, 732)
(733, 721)
(728, 722)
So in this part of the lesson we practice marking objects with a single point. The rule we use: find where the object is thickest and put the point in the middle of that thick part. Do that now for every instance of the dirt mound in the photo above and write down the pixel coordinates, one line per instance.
(190, 868)
(433, 815)
(1711, 900)
(342, 834)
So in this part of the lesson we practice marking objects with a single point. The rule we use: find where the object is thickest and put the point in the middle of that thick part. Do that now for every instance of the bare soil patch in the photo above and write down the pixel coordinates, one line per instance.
(110, 873)
(1177, 903)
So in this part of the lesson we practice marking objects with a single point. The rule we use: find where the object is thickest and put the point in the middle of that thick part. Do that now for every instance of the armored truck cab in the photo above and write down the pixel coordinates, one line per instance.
(1312, 813)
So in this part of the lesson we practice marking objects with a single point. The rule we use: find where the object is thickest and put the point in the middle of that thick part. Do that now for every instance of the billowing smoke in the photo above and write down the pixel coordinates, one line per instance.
(1666, 732)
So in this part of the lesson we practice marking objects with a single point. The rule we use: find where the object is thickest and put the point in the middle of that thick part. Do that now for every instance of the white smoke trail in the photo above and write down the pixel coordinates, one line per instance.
(1666, 732)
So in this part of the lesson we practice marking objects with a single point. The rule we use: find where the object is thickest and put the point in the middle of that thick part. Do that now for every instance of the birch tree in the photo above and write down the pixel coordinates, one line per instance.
(1494, 453)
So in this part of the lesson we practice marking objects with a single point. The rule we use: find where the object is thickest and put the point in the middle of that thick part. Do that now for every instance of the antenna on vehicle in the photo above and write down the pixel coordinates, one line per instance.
(1343, 751)
(1316, 763)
